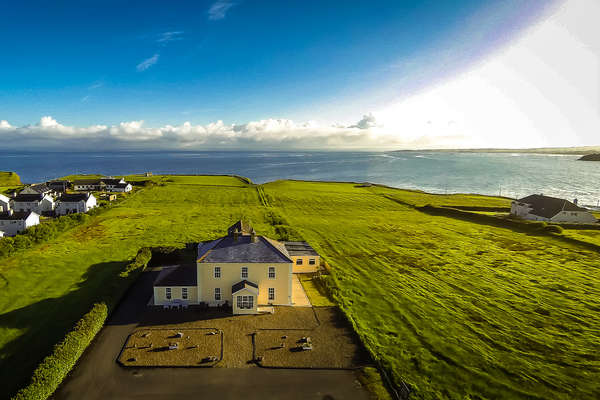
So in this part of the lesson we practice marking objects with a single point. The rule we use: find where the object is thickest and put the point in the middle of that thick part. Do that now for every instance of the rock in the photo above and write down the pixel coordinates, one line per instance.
(590, 157)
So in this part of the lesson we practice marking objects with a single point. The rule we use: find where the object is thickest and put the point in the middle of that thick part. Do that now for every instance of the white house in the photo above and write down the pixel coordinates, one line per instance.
(12, 222)
(40, 188)
(122, 187)
(1, 234)
(4, 203)
(538, 207)
(104, 184)
(75, 203)
(246, 271)
(38, 203)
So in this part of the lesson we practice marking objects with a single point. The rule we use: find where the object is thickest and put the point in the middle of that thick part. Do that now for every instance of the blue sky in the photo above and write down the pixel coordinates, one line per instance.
(107, 63)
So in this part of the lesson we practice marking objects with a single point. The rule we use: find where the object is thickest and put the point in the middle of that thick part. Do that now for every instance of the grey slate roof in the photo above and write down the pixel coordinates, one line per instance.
(74, 198)
(183, 275)
(300, 249)
(39, 188)
(243, 285)
(28, 198)
(548, 207)
(242, 250)
(15, 216)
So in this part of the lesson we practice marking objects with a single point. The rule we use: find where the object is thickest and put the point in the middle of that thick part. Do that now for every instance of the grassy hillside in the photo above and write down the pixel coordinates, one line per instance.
(9, 179)
(456, 309)
(459, 310)
(45, 290)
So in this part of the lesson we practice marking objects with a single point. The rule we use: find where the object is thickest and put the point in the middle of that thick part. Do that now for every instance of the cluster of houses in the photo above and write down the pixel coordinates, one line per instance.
(23, 210)
(249, 272)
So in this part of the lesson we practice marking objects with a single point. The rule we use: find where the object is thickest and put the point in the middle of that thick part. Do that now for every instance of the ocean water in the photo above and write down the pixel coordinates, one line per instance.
(512, 175)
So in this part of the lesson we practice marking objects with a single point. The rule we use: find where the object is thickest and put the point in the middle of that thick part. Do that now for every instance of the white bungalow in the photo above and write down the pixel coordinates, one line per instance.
(38, 203)
(12, 222)
(4, 203)
(122, 187)
(40, 188)
(538, 207)
(75, 203)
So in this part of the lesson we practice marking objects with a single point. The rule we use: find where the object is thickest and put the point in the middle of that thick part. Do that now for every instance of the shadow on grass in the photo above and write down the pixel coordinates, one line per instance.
(45, 323)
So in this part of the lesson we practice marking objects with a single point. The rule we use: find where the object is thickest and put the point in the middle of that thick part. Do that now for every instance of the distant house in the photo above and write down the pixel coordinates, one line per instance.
(75, 203)
(58, 186)
(12, 222)
(4, 203)
(538, 207)
(40, 188)
(1, 234)
(305, 258)
(122, 187)
(38, 203)
(242, 269)
(104, 184)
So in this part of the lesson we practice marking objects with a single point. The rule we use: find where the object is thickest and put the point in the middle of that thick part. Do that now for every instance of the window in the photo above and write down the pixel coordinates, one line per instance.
(299, 261)
(184, 294)
(168, 293)
(217, 294)
(271, 272)
(245, 302)
(312, 261)
(217, 272)
(271, 293)
(244, 272)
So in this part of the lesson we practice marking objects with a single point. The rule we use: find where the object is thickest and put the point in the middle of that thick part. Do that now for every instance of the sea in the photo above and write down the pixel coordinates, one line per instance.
(512, 175)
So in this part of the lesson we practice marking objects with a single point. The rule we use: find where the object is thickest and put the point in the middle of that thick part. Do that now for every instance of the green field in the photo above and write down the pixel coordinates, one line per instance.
(456, 309)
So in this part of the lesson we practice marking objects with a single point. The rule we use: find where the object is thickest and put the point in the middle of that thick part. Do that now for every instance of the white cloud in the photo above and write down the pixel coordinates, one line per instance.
(263, 134)
(219, 9)
(367, 121)
(171, 36)
(540, 91)
(147, 63)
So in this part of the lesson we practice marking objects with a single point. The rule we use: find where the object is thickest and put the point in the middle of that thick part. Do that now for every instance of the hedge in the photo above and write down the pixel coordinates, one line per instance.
(53, 369)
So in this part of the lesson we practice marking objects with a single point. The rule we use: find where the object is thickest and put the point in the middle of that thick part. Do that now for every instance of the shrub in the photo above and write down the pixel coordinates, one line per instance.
(54, 368)
(554, 229)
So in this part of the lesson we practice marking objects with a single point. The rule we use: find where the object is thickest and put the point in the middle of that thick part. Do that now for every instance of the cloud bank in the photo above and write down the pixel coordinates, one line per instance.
(268, 134)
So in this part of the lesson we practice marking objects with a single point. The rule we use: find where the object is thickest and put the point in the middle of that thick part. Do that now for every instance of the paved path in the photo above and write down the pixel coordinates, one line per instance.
(299, 297)
(98, 376)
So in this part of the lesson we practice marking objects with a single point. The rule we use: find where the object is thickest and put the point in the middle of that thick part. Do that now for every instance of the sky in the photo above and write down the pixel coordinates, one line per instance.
(274, 75)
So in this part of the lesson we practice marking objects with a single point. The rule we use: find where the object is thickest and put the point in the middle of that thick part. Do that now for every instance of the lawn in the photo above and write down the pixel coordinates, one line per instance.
(46, 289)
(456, 309)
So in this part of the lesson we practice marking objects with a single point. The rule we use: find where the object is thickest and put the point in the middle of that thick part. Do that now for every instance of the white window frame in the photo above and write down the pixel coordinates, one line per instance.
(272, 272)
(217, 273)
(271, 294)
(184, 293)
(245, 302)
(218, 294)
(168, 293)
(312, 261)
(244, 269)
(299, 261)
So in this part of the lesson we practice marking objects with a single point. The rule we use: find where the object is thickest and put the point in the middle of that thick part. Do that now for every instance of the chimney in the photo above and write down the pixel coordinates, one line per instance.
(575, 201)
(236, 234)
(253, 237)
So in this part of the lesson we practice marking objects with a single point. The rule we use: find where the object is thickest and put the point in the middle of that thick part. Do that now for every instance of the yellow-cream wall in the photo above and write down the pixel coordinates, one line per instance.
(305, 267)
(257, 273)
(161, 299)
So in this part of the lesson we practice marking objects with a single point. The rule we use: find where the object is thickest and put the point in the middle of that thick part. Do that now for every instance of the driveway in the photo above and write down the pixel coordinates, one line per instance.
(98, 376)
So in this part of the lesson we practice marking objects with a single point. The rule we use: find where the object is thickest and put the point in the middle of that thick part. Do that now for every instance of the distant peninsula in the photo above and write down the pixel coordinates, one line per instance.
(582, 150)
(590, 157)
